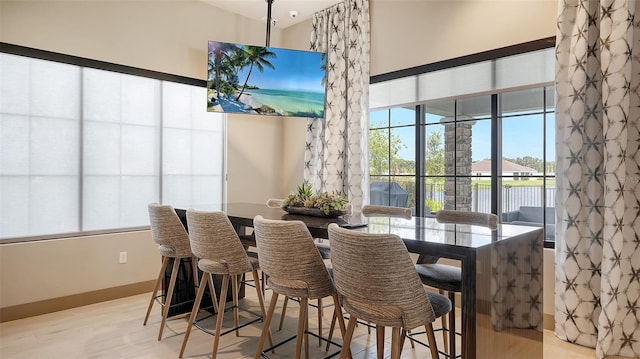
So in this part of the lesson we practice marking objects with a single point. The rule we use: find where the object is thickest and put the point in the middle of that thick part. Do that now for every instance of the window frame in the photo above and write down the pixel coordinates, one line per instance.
(495, 117)
(82, 63)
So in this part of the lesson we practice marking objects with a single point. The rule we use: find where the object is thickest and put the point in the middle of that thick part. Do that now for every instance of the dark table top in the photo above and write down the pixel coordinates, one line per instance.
(417, 232)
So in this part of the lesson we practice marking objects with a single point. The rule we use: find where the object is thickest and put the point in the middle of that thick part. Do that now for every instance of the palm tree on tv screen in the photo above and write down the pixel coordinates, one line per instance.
(219, 53)
(238, 59)
(257, 56)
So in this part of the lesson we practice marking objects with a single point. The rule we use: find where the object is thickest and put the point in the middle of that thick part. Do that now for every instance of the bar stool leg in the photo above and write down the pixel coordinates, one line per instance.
(403, 337)
(301, 325)
(234, 293)
(194, 269)
(194, 312)
(306, 333)
(163, 268)
(431, 337)
(212, 292)
(346, 343)
(380, 341)
(167, 302)
(445, 328)
(333, 325)
(284, 310)
(395, 343)
(319, 322)
(340, 318)
(260, 293)
(405, 333)
(267, 322)
(223, 300)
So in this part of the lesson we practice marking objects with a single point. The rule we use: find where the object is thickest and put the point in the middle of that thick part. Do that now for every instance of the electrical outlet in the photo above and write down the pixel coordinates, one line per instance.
(123, 257)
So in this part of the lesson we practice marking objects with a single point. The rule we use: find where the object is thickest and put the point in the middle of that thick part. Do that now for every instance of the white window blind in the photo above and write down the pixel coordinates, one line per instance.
(83, 149)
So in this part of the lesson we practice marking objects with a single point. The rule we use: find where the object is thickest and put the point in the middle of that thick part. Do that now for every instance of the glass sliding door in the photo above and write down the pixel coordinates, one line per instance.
(527, 174)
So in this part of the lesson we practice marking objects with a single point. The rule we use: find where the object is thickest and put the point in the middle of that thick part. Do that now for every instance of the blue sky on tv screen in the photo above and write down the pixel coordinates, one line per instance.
(294, 70)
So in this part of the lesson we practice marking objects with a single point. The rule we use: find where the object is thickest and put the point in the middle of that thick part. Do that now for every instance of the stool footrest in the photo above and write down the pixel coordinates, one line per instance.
(410, 337)
(212, 332)
(264, 355)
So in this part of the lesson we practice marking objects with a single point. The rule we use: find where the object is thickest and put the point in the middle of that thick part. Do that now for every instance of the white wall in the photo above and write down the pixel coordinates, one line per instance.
(264, 155)
(165, 36)
(412, 33)
(36, 271)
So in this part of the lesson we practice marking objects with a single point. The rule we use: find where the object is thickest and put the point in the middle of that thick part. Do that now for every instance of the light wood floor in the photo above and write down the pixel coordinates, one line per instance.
(114, 329)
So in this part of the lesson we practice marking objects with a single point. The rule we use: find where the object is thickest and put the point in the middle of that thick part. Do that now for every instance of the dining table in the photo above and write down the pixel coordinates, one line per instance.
(502, 268)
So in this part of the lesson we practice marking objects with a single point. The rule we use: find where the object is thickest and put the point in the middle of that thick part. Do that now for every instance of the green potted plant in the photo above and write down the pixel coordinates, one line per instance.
(324, 204)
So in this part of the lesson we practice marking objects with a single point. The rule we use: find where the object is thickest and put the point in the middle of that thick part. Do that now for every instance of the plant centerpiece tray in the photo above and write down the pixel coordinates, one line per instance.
(305, 202)
(316, 212)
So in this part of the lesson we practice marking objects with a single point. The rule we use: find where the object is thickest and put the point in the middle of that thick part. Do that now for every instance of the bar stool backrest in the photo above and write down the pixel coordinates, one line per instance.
(288, 255)
(392, 286)
(370, 210)
(488, 220)
(274, 202)
(168, 232)
(213, 237)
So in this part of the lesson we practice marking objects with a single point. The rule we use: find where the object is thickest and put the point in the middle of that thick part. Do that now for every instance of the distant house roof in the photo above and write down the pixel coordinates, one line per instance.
(507, 166)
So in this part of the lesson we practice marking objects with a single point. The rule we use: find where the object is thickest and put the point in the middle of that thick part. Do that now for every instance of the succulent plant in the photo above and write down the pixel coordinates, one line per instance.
(298, 198)
(324, 201)
(304, 190)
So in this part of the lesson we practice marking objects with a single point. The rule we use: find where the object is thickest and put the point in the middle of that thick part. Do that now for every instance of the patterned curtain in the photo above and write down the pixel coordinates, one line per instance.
(597, 290)
(337, 150)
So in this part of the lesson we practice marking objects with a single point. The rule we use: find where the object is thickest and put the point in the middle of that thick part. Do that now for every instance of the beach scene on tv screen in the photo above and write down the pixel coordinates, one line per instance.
(265, 80)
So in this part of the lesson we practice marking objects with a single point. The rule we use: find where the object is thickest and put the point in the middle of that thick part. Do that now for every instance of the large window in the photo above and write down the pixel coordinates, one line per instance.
(478, 137)
(83, 149)
(392, 157)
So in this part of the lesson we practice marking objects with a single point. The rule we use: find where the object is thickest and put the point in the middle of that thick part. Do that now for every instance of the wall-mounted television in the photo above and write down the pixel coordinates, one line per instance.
(265, 80)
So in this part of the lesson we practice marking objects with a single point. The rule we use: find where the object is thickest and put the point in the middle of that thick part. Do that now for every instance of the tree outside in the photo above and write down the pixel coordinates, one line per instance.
(383, 151)
(385, 161)
(434, 156)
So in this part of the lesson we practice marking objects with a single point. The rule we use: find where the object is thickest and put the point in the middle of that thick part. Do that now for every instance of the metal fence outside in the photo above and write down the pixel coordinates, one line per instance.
(513, 197)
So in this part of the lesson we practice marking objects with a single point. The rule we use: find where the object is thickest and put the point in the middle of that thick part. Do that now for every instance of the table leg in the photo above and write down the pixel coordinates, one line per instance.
(469, 306)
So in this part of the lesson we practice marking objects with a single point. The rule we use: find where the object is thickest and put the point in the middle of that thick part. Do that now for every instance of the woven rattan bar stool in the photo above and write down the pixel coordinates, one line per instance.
(325, 252)
(389, 295)
(294, 268)
(448, 278)
(219, 250)
(371, 210)
(173, 244)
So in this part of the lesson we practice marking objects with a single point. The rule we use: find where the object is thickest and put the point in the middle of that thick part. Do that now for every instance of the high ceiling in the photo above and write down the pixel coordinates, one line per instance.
(280, 9)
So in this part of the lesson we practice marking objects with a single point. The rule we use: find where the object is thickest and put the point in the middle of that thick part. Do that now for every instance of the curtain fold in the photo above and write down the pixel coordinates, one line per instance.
(597, 291)
(336, 153)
